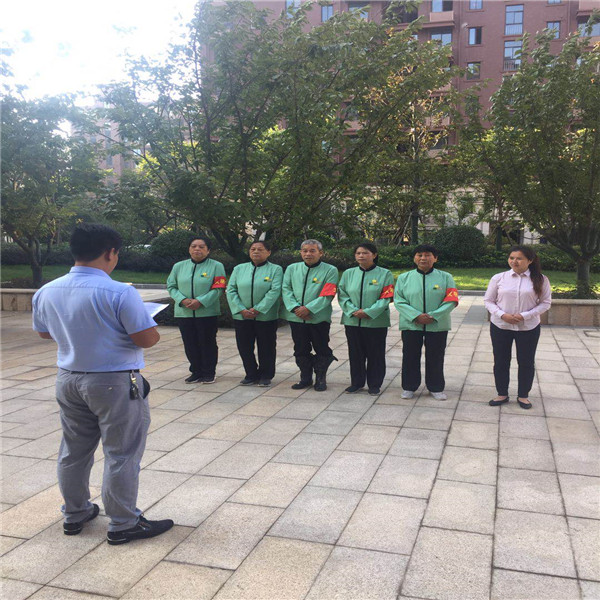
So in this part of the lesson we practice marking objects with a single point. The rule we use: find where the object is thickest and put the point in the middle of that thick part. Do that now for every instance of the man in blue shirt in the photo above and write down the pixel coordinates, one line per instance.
(101, 328)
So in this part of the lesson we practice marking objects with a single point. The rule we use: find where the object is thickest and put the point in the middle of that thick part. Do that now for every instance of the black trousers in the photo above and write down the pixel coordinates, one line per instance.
(264, 334)
(526, 342)
(366, 350)
(199, 335)
(435, 350)
(309, 336)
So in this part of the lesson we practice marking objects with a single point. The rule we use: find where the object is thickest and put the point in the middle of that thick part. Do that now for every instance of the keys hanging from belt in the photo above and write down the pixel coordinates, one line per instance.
(134, 390)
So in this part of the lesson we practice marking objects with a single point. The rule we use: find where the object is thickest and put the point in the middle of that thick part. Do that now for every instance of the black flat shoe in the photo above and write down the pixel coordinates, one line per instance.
(352, 389)
(374, 391)
(498, 402)
(525, 405)
(76, 528)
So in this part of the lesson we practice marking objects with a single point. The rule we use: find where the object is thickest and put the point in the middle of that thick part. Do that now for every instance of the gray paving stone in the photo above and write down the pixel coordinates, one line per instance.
(44, 447)
(449, 564)
(585, 536)
(419, 443)
(512, 585)
(15, 464)
(22, 485)
(462, 506)
(17, 590)
(227, 536)
(43, 557)
(8, 543)
(172, 435)
(276, 431)
(468, 464)
(277, 568)
(348, 470)
(354, 574)
(233, 428)
(581, 495)
(565, 409)
(590, 590)
(53, 593)
(572, 431)
(430, 418)
(383, 414)
(276, 484)
(155, 485)
(533, 542)
(194, 500)
(317, 515)
(536, 491)
(122, 566)
(309, 449)
(171, 580)
(191, 456)
(370, 438)
(211, 413)
(579, 459)
(303, 409)
(333, 422)
(477, 412)
(524, 427)
(473, 435)
(241, 461)
(405, 476)
(385, 523)
(522, 453)
(264, 406)
(359, 403)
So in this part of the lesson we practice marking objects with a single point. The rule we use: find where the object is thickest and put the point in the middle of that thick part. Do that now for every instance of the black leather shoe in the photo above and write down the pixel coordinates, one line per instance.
(498, 402)
(525, 405)
(264, 383)
(302, 384)
(143, 530)
(374, 391)
(194, 379)
(352, 389)
(75, 528)
(248, 381)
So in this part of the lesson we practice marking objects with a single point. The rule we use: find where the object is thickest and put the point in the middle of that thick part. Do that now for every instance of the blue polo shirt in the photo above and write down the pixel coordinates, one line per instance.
(90, 317)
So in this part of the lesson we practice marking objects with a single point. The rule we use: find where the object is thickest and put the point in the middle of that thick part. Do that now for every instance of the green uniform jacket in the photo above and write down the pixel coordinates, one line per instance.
(371, 290)
(313, 287)
(255, 287)
(204, 281)
(433, 293)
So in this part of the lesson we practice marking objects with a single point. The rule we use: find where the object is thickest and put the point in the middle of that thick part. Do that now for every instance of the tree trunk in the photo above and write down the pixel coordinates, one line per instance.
(583, 279)
(414, 225)
(36, 270)
(498, 243)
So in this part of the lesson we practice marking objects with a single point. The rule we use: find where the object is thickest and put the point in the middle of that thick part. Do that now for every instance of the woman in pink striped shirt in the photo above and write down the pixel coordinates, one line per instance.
(515, 300)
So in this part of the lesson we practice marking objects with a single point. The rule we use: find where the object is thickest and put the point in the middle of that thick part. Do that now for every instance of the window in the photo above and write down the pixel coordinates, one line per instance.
(583, 25)
(514, 20)
(475, 4)
(473, 70)
(512, 55)
(555, 26)
(441, 5)
(360, 8)
(554, 1)
(474, 36)
(444, 36)
(326, 13)
(292, 4)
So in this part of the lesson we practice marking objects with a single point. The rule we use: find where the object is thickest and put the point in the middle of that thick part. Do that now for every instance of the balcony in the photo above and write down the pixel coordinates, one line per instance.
(586, 6)
(440, 18)
(511, 64)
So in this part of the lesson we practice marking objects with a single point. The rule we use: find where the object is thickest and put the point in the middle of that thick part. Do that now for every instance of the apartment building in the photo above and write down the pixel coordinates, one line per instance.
(484, 34)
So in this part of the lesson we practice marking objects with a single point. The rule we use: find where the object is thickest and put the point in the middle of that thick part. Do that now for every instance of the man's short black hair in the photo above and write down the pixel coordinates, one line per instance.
(91, 240)
(200, 237)
(425, 248)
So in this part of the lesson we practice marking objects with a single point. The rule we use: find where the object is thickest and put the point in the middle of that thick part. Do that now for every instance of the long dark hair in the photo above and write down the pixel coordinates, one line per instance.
(535, 269)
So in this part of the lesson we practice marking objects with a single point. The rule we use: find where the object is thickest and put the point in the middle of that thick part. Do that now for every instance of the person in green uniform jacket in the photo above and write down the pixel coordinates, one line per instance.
(365, 293)
(424, 298)
(253, 294)
(308, 289)
(196, 286)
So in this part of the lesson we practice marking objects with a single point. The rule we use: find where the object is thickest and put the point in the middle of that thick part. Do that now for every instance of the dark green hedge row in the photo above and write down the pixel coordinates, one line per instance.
(391, 257)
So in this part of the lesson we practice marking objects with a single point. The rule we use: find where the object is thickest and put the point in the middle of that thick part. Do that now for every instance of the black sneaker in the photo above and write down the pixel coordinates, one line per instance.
(302, 384)
(352, 389)
(194, 379)
(374, 391)
(75, 528)
(143, 530)
(264, 383)
(248, 381)
(208, 379)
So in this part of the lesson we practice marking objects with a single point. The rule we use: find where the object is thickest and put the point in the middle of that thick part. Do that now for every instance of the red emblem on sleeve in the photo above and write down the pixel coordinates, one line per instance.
(218, 282)
(387, 292)
(329, 289)
(451, 295)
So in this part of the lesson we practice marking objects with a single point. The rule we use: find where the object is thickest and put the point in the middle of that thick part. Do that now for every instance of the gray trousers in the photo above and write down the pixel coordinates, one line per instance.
(96, 406)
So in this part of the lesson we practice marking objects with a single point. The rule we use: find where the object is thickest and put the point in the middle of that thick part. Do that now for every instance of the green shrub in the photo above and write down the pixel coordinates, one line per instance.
(172, 244)
(460, 243)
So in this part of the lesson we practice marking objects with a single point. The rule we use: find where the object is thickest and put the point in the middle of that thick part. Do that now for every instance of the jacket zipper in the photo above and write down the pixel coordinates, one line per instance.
(362, 283)
(304, 289)
(252, 287)
(424, 301)
(193, 273)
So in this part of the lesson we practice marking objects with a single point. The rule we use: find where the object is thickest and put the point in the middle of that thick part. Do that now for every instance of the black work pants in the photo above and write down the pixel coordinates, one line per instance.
(526, 343)
(309, 336)
(366, 350)
(199, 335)
(435, 350)
(264, 334)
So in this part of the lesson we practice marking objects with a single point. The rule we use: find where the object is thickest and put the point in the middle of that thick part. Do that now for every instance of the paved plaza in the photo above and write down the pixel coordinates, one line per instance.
(280, 494)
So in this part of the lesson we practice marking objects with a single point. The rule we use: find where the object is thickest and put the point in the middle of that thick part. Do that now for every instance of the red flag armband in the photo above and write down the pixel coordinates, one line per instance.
(387, 292)
(329, 289)
(218, 283)
(451, 295)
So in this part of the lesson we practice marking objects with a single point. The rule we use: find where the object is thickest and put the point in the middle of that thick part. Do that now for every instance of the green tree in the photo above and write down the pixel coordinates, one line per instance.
(259, 125)
(45, 172)
(545, 133)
